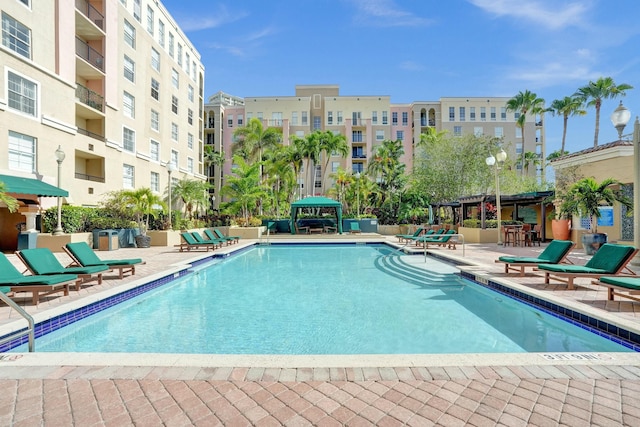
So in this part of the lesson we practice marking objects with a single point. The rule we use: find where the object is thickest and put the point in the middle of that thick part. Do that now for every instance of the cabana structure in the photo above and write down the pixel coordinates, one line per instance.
(317, 203)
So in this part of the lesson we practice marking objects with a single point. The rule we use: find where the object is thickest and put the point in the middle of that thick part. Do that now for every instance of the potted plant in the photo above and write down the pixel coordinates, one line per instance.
(144, 204)
(561, 217)
(587, 196)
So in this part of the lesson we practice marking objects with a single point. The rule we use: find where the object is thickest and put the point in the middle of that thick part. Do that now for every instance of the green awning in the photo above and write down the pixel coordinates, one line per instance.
(316, 202)
(17, 185)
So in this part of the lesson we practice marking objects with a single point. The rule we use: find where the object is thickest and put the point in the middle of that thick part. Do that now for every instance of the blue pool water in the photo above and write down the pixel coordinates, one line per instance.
(338, 299)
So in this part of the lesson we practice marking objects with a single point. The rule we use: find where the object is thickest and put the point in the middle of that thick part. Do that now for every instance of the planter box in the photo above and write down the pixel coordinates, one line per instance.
(55, 243)
(479, 235)
(245, 232)
(164, 237)
(368, 225)
(392, 230)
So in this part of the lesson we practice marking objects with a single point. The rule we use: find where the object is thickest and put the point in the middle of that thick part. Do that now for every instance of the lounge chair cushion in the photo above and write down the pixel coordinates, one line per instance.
(9, 275)
(610, 257)
(525, 260)
(87, 257)
(632, 283)
(577, 269)
(43, 261)
(552, 254)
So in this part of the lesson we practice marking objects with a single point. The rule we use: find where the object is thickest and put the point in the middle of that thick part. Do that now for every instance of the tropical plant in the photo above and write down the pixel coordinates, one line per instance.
(143, 203)
(243, 187)
(282, 178)
(587, 196)
(594, 92)
(12, 203)
(193, 194)
(253, 139)
(525, 103)
(310, 150)
(387, 170)
(293, 155)
(528, 159)
(567, 107)
(214, 158)
(332, 144)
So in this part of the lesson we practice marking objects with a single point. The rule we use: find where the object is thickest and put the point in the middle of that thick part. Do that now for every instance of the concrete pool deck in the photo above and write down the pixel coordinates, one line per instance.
(135, 389)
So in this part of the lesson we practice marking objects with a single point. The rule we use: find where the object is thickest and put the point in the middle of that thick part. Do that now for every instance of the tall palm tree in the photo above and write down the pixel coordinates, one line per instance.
(567, 107)
(192, 193)
(293, 154)
(386, 167)
(593, 94)
(431, 136)
(214, 158)
(243, 186)
(524, 103)
(332, 143)
(144, 203)
(281, 176)
(530, 158)
(310, 149)
(254, 138)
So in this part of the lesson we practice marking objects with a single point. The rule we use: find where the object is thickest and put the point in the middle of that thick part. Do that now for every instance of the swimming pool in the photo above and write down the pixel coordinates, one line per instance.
(323, 299)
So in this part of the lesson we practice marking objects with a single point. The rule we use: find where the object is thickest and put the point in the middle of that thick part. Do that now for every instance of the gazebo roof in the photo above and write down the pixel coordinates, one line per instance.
(315, 202)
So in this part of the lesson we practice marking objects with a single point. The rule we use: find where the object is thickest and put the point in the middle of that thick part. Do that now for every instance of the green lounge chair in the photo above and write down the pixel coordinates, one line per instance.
(83, 256)
(37, 285)
(232, 239)
(610, 260)
(42, 261)
(354, 227)
(416, 234)
(555, 253)
(216, 242)
(191, 243)
(627, 287)
(442, 240)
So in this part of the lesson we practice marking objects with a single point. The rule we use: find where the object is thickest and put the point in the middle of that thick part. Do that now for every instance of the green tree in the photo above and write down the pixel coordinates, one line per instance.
(143, 203)
(594, 92)
(567, 107)
(525, 103)
(310, 150)
(193, 194)
(387, 170)
(253, 139)
(243, 187)
(530, 159)
(12, 204)
(293, 155)
(332, 143)
(282, 177)
(214, 158)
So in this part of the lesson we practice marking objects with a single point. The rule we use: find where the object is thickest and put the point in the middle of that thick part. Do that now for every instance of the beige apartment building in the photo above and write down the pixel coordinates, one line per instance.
(114, 83)
(366, 121)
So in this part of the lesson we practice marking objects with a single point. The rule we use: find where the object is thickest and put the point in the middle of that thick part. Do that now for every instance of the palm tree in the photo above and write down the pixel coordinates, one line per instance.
(281, 175)
(386, 167)
(293, 155)
(310, 149)
(332, 143)
(525, 103)
(192, 193)
(12, 204)
(217, 159)
(243, 187)
(530, 158)
(143, 203)
(431, 136)
(254, 138)
(593, 94)
(567, 107)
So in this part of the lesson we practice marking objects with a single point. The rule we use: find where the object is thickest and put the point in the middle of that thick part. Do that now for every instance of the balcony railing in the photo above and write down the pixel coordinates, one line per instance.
(91, 134)
(425, 122)
(89, 97)
(358, 156)
(90, 12)
(89, 54)
(86, 177)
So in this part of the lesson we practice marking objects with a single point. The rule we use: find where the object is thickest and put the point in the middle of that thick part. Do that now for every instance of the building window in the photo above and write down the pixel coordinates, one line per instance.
(128, 140)
(240, 120)
(150, 20)
(129, 105)
(516, 115)
(187, 63)
(130, 68)
(193, 70)
(405, 118)
(190, 164)
(154, 182)
(518, 132)
(190, 93)
(26, 2)
(316, 123)
(160, 33)
(174, 104)
(174, 132)
(155, 59)
(379, 135)
(457, 130)
(230, 120)
(174, 157)
(129, 34)
(329, 117)
(15, 36)
(136, 10)
(171, 44)
(483, 114)
(399, 135)
(294, 118)
(478, 131)
(305, 119)
(472, 114)
(339, 117)
(356, 136)
(394, 118)
(503, 114)
(22, 152)
(374, 117)
(23, 94)
(452, 114)
(493, 114)
(179, 59)
(155, 89)
(190, 141)
(335, 166)
(498, 132)
(385, 118)
(175, 78)
(463, 115)
(127, 176)
(154, 150)
(190, 116)
(155, 120)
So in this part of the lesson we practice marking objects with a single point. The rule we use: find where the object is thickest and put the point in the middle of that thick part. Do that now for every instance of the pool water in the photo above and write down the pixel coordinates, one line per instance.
(323, 299)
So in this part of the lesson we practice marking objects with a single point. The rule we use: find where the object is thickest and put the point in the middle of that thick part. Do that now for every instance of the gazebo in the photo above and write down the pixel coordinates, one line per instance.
(316, 202)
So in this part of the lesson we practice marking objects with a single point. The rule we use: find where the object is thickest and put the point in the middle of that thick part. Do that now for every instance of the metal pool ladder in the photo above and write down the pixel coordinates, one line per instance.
(30, 329)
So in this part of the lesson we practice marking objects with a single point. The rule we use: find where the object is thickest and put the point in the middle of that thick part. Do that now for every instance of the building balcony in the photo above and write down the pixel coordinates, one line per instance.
(359, 156)
(89, 62)
(86, 177)
(89, 20)
(90, 105)
(91, 134)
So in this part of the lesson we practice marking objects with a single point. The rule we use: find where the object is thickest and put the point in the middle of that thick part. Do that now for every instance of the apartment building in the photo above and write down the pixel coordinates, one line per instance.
(114, 83)
(366, 121)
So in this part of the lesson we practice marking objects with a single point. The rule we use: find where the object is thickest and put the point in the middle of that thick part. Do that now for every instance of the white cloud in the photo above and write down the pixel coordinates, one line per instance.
(246, 45)
(385, 13)
(411, 66)
(209, 19)
(547, 14)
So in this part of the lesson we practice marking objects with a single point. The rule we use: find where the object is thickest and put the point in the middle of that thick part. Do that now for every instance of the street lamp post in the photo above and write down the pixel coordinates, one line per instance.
(170, 168)
(59, 158)
(619, 118)
(358, 195)
(497, 161)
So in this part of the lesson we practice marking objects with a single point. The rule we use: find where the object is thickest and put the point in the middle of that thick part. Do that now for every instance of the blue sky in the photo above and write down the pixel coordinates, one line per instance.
(421, 50)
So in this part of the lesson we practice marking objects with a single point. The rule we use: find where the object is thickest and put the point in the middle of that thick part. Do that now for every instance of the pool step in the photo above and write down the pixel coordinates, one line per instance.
(393, 265)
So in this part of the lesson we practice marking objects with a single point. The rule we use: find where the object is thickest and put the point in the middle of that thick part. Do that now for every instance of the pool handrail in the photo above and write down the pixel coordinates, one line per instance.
(17, 334)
